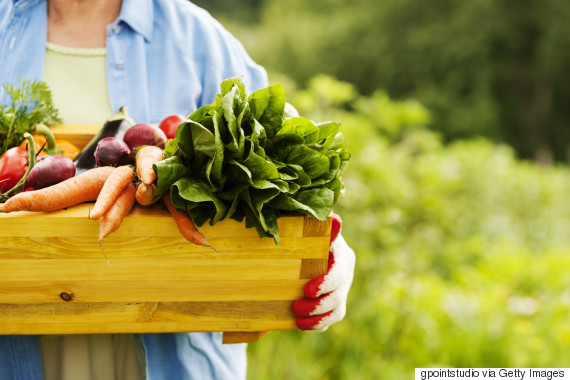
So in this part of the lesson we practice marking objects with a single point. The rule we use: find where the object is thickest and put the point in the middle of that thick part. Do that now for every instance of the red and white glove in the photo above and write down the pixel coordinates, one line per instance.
(325, 296)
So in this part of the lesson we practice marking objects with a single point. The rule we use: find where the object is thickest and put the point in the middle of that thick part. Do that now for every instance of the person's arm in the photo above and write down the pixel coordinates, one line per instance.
(226, 58)
(325, 296)
(238, 63)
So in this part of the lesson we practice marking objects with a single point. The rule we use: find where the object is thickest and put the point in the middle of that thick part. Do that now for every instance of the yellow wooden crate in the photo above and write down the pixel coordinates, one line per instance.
(54, 278)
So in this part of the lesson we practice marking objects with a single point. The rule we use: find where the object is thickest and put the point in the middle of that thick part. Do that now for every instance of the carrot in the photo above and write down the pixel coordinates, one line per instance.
(117, 181)
(83, 188)
(185, 224)
(122, 205)
(144, 193)
(146, 157)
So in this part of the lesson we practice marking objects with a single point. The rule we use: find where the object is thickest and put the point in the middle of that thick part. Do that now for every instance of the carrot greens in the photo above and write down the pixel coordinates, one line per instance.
(30, 104)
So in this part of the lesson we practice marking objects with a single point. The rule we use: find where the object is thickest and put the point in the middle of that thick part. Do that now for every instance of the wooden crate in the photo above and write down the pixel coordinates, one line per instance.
(54, 278)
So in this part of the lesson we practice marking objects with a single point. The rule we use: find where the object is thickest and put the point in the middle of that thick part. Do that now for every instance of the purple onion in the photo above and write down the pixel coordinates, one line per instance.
(112, 151)
(144, 134)
(50, 170)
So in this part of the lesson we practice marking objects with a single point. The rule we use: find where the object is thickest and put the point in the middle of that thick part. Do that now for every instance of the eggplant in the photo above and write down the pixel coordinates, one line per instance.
(116, 127)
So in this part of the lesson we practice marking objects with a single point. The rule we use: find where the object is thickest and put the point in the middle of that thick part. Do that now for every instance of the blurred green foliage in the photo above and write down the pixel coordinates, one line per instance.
(462, 251)
(493, 68)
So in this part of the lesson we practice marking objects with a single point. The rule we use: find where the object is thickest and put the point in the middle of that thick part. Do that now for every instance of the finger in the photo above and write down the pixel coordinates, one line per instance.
(322, 321)
(307, 307)
(311, 323)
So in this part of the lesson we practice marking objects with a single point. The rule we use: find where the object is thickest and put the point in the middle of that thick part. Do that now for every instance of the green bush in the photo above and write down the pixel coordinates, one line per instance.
(461, 251)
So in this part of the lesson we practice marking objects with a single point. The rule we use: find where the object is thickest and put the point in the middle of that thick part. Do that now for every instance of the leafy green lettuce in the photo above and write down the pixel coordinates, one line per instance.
(243, 157)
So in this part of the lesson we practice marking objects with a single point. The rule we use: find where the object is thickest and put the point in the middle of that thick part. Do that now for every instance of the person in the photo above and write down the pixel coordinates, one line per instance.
(157, 58)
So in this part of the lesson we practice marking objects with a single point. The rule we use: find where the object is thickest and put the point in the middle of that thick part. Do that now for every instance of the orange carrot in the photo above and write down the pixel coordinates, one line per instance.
(185, 224)
(146, 157)
(83, 188)
(117, 181)
(144, 194)
(122, 205)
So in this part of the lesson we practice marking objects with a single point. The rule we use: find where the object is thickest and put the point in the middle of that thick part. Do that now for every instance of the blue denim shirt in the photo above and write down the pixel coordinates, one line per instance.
(163, 57)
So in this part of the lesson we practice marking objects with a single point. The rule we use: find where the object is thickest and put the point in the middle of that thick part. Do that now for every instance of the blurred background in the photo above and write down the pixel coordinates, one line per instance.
(456, 203)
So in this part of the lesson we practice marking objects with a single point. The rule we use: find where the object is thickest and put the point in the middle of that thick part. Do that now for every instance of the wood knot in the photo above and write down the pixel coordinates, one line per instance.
(66, 296)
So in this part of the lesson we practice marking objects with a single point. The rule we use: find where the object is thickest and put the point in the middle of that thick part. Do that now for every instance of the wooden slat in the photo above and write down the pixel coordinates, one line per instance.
(149, 270)
(40, 291)
(230, 337)
(138, 312)
(311, 268)
(154, 327)
(314, 227)
(75, 222)
(77, 134)
(129, 247)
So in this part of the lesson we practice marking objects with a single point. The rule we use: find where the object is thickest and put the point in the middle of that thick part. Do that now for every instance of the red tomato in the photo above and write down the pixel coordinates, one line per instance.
(13, 166)
(170, 124)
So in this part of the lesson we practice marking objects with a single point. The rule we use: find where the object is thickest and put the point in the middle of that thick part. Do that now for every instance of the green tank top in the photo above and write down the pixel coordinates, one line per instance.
(78, 83)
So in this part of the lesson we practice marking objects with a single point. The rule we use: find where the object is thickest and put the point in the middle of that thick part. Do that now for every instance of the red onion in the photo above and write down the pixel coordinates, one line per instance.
(144, 134)
(50, 170)
(112, 151)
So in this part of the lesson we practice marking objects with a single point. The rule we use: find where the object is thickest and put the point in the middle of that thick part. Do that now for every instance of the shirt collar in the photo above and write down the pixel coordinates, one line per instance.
(21, 5)
(138, 14)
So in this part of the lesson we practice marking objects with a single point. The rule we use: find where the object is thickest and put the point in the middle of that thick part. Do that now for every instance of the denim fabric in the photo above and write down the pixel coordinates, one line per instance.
(163, 57)
(20, 358)
(193, 356)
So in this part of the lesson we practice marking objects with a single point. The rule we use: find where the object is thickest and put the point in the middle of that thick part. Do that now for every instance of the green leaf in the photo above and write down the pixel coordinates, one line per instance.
(169, 171)
(201, 113)
(214, 168)
(228, 85)
(202, 139)
(336, 186)
(327, 129)
(313, 162)
(339, 142)
(170, 148)
(196, 191)
(267, 105)
(302, 127)
(228, 103)
(302, 178)
(259, 167)
(184, 140)
(266, 218)
(319, 200)
(253, 202)
(284, 144)
(258, 135)
(315, 202)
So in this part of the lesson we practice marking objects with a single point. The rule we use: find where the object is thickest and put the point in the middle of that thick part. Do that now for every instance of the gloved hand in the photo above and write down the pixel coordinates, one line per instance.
(325, 296)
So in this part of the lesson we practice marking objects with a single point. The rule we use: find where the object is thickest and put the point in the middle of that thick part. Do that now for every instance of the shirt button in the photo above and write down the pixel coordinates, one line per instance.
(116, 28)
(120, 65)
